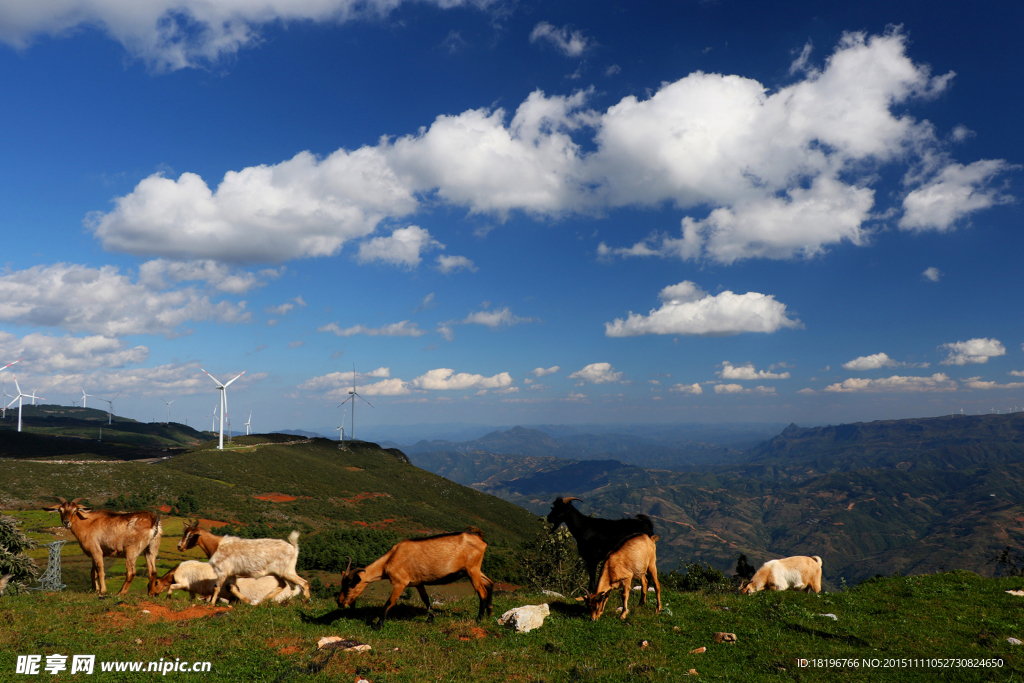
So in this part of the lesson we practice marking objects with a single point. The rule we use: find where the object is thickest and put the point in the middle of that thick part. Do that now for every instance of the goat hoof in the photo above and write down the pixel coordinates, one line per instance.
(430, 618)
(377, 625)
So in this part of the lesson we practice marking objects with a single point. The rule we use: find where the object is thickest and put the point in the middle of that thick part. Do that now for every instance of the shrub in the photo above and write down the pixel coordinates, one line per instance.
(330, 550)
(1008, 563)
(697, 576)
(551, 561)
(137, 501)
(13, 560)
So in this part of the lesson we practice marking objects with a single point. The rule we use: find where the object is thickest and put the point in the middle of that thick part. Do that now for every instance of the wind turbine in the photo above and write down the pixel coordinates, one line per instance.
(213, 420)
(248, 422)
(84, 396)
(168, 408)
(341, 429)
(223, 401)
(18, 398)
(352, 396)
(110, 406)
(6, 396)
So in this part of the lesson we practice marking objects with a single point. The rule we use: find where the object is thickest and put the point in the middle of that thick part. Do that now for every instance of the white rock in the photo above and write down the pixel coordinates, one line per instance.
(553, 594)
(1014, 641)
(830, 616)
(526, 618)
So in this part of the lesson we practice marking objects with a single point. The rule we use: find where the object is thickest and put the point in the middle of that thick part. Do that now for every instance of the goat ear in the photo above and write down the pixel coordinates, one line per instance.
(81, 512)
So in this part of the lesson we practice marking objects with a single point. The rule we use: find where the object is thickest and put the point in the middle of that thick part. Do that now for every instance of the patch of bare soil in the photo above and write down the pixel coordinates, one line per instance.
(276, 497)
(165, 613)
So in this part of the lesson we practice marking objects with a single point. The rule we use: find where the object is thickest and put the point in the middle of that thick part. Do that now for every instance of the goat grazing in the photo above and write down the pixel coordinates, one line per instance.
(596, 537)
(198, 578)
(421, 562)
(103, 533)
(792, 573)
(247, 557)
(635, 558)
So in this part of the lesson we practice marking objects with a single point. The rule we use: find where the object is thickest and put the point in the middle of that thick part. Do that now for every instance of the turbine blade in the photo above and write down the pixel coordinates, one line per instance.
(239, 375)
(9, 365)
(213, 378)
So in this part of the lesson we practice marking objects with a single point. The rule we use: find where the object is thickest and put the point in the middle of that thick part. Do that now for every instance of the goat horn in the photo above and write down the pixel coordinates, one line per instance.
(571, 498)
(349, 564)
(75, 501)
(60, 500)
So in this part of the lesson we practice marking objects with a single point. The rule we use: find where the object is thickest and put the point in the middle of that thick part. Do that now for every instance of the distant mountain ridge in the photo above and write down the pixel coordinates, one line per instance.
(899, 495)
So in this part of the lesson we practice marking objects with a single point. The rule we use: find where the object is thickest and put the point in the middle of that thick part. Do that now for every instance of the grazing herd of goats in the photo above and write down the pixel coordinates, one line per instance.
(256, 570)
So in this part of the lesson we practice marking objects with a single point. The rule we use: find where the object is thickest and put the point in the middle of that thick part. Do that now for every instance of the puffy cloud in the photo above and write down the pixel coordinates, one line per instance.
(597, 373)
(739, 389)
(729, 371)
(286, 307)
(872, 362)
(977, 383)
(972, 351)
(694, 389)
(937, 382)
(402, 248)
(304, 206)
(783, 174)
(495, 318)
(933, 274)
(544, 372)
(453, 264)
(687, 309)
(1017, 373)
(342, 380)
(399, 329)
(570, 43)
(156, 273)
(177, 34)
(955, 192)
(166, 381)
(443, 379)
(48, 354)
(387, 387)
(102, 301)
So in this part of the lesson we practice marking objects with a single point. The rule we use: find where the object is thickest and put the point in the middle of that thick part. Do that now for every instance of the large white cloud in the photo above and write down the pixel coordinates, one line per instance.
(166, 381)
(745, 372)
(175, 34)
(444, 379)
(978, 383)
(402, 248)
(689, 310)
(155, 274)
(103, 301)
(872, 362)
(937, 382)
(972, 351)
(597, 373)
(780, 174)
(42, 353)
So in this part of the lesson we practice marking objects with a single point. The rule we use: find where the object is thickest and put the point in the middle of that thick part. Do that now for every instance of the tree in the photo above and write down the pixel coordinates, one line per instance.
(13, 560)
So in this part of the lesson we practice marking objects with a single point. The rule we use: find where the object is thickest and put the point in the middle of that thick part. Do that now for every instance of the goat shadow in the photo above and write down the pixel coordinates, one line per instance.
(850, 640)
(369, 614)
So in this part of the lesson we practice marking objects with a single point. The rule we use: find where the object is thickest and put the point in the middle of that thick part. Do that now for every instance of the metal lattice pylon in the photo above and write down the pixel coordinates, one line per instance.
(50, 580)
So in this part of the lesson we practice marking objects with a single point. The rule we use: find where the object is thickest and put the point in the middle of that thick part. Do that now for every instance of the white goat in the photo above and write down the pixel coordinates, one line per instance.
(255, 558)
(255, 591)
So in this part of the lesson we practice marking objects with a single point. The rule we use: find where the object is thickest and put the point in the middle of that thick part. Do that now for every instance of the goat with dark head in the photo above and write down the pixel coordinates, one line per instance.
(596, 537)
(102, 533)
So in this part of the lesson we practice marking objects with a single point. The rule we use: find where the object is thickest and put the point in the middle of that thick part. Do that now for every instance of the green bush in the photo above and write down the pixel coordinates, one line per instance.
(551, 561)
(137, 501)
(697, 576)
(330, 550)
(13, 560)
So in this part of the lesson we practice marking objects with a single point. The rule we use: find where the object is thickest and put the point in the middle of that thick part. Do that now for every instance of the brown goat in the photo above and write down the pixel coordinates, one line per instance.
(192, 536)
(421, 562)
(635, 558)
(103, 533)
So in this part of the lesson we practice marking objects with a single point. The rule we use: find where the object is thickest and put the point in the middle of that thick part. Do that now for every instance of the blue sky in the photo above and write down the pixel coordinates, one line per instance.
(513, 212)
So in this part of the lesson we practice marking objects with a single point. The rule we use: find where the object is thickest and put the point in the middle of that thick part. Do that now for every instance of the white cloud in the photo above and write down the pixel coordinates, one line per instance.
(402, 248)
(738, 389)
(387, 387)
(544, 372)
(446, 331)
(872, 362)
(896, 383)
(597, 373)
(155, 274)
(296, 344)
(955, 192)
(102, 301)
(784, 173)
(177, 34)
(167, 381)
(495, 318)
(443, 379)
(1017, 373)
(687, 309)
(694, 389)
(453, 264)
(342, 380)
(286, 307)
(399, 329)
(972, 351)
(932, 273)
(977, 383)
(570, 43)
(744, 372)
(44, 353)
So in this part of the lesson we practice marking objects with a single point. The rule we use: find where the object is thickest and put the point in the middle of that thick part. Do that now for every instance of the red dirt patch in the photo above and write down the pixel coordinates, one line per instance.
(285, 646)
(164, 613)
(376, 525)
(359, 497)
(276, 497)
(164, 508)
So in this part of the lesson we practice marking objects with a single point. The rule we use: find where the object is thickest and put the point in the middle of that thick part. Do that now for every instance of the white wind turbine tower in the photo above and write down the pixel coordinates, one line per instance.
(352, 396)
(110, 407)
(341, 429)
(248, 423)
(84, 396)
(223, 401)
(213, 420)
(6, 396)
(168, 408)
(18, 398)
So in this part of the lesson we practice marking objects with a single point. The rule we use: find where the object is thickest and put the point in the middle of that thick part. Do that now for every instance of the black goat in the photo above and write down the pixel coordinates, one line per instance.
(596, 537)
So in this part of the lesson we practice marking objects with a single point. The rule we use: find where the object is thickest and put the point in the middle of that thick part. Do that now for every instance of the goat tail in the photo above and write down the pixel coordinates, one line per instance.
(475, 531)
(293, 538)
(817, 559)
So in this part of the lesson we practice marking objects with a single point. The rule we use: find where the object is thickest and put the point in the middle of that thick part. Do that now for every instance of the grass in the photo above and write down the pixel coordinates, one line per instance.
(951, 615)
